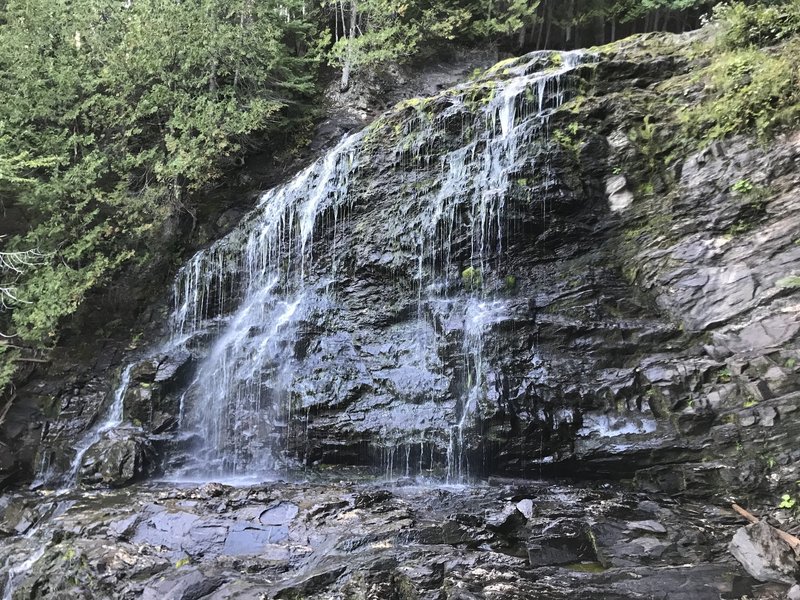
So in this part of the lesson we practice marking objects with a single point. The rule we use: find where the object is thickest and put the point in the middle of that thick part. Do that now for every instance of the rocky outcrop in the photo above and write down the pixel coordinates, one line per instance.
(120, 457)
(638, 316)
(152, 398)
(504, 540)
(764, 555)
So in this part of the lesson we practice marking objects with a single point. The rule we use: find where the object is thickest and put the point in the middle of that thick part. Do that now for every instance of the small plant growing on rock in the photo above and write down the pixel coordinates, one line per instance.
(471, 278)
(787, 502)
(791, 282)
(743, 186)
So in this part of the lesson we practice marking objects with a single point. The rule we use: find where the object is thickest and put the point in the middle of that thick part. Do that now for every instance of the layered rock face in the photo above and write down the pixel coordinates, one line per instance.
(508, 540)
(526, 275)
(510, 277)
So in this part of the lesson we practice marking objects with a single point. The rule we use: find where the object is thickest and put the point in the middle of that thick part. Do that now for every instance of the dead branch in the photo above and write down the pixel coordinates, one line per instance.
(793, 541)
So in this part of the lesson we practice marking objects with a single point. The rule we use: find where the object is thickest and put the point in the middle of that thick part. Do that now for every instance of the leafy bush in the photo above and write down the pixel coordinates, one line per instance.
(762, 25)
(751, 88)
(117, 113)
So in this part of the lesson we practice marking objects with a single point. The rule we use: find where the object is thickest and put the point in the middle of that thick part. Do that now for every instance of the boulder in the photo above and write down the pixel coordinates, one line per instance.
(189, 585)
(120, 457)
(764, 555)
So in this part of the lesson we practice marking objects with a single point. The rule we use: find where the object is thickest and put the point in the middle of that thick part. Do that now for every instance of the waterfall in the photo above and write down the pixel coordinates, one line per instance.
(113, 418)
(252, 292)
(16, 572)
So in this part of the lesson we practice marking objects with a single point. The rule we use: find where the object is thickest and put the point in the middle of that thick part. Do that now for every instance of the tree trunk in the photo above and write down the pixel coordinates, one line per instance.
(348, 63)
(541, 26)
(245, 18)
(549, 27)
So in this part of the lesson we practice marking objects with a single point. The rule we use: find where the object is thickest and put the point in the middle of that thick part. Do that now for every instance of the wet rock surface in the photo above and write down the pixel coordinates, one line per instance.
(653, 339)
(120, 457)
(331, 540)
(764, 554)
(638, 325)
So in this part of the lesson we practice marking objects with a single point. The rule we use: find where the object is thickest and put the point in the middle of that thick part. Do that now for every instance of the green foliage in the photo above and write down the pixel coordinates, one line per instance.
(788, 502)
(392, 30)
(744, 26)
(751, 88)
(119, 113)
(743, 186)
(471, 278)
(8, 365)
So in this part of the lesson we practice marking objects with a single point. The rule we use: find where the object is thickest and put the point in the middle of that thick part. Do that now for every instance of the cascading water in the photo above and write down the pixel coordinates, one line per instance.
(251, 287)
(113, 418)
(254, 290)
(16, 572)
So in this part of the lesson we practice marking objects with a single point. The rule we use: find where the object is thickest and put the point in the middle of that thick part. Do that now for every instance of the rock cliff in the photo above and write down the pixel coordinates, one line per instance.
(532, 274)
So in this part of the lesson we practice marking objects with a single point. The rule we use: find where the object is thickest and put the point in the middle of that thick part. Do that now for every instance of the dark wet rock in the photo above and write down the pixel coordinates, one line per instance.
(647, 526)
(152, 398)
(764, 554)
(186, 584)
(560, 551)
(273, 541)
(563, 542)
(122, 456)
(307, 586)
(506, 521)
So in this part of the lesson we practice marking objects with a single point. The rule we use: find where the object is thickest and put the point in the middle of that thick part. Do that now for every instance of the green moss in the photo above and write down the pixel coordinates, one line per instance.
(417, 103)
(471, 278)
(748, 90)
(791, 282)
(501, 66)
(586, 567)
(183, 562)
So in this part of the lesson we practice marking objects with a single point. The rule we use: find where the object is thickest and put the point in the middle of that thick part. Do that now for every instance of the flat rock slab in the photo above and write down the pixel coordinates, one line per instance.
(506, 540)
(764, 554)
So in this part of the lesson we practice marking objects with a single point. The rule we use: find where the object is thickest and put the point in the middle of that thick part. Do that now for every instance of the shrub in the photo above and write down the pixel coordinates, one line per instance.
(749, 90)
(743, 26)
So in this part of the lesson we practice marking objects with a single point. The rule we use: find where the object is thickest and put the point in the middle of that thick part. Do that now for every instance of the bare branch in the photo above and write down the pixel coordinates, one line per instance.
(16, 264)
